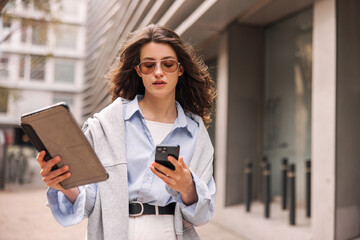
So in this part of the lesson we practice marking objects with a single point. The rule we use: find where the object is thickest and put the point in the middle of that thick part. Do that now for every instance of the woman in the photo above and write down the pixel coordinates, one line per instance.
(162, 94)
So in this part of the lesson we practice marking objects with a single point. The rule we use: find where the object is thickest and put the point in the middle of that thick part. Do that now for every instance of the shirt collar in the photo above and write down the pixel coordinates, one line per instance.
(132, 107)
(180, 122)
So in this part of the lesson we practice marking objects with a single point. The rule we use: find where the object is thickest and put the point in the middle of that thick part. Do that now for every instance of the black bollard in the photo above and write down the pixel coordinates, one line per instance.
(267, 190)
(248, 173)
(284, 168)
(291, 178)
(308, 188)
(3, 167)
(262, 164)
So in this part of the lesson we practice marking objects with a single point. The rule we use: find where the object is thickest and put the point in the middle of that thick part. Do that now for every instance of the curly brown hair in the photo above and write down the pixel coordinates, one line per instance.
(195, 90)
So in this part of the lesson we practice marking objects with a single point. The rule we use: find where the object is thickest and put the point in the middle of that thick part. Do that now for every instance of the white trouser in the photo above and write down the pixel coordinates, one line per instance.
(152, 227)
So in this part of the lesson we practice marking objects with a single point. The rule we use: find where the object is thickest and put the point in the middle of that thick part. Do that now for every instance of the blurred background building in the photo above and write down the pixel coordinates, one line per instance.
(42, 50)
(42, 56)
(288, 87)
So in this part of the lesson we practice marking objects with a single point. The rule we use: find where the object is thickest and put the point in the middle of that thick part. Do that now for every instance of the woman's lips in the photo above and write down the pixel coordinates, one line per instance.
(159, 83)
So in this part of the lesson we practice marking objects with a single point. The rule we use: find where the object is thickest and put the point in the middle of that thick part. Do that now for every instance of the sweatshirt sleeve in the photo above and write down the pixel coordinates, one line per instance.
(67, 213)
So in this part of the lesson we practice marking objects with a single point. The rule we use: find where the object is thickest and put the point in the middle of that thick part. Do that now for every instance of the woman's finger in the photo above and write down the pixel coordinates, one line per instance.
(49, 164)
(168, 180)
(157, 172)
(182, 163)
(58, 172)
(54, 182)
(40, 158)
(174, 162)
(161, 169)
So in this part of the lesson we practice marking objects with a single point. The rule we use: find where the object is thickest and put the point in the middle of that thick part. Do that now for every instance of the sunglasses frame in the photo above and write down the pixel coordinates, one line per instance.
(156, 61)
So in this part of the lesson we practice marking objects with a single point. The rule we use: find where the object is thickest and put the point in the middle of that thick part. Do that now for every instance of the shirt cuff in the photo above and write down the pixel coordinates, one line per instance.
(64, 211)
(202, 192)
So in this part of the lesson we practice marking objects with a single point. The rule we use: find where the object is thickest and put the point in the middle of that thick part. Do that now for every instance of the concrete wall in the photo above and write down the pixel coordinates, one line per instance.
(221, 123)
(323, 120)
(348, 120)
(246, 57)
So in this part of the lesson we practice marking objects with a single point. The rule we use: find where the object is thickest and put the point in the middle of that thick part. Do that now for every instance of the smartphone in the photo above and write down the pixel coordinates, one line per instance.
(163, 151)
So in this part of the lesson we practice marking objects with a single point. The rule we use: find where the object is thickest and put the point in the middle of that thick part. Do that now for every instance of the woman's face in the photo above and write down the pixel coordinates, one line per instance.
(159, 70)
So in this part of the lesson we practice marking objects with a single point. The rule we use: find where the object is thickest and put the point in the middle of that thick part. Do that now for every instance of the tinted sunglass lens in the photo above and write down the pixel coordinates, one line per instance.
(167, 65)
(147, 67)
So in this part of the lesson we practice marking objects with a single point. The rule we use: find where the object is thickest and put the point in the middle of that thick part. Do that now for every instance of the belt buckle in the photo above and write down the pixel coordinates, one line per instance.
(142, 209)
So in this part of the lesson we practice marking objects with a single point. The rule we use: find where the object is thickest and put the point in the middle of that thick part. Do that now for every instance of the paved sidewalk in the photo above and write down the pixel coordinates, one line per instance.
(23, 215)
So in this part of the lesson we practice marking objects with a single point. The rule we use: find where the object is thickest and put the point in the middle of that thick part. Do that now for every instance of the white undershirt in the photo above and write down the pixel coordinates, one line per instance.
(158, 130)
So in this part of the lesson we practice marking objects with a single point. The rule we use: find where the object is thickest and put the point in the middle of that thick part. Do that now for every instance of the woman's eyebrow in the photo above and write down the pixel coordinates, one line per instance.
(167, 57)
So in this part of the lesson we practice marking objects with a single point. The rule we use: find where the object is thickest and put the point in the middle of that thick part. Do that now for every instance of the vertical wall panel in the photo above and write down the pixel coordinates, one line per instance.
(323, 120)
(348, 120)
(244, 122)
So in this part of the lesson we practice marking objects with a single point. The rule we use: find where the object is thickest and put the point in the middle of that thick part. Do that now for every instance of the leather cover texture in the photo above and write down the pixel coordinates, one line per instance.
(55, 130)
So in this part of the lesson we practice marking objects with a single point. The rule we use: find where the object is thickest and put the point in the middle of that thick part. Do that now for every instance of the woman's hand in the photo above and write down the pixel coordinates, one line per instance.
(179, 179)
(53, 178)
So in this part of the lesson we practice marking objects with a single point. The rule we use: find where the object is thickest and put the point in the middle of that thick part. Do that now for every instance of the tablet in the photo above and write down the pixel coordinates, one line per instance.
(55, 130)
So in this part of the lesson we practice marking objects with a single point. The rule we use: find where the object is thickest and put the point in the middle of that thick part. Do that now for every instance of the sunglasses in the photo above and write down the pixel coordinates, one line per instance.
(167, 65)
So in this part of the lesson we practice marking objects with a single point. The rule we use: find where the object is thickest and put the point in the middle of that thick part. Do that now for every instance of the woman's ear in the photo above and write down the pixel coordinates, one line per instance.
(138, 71)
(181, 71)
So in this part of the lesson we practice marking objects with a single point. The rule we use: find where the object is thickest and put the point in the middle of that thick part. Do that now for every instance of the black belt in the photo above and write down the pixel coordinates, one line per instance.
(137, 208)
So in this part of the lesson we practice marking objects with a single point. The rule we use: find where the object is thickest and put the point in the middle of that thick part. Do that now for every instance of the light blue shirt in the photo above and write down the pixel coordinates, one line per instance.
(143, 185)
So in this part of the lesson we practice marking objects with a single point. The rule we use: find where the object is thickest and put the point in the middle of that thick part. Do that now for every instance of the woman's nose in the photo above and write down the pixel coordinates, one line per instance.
(158, 70)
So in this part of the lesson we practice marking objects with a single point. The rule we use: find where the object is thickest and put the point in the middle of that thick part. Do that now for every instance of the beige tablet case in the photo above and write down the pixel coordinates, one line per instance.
(55, 130)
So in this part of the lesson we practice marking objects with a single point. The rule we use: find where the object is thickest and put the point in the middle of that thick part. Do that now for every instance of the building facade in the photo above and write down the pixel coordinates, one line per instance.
(42, 56)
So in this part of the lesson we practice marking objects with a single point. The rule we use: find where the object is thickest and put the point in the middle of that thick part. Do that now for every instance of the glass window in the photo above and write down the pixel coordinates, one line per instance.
(6, 23)
(66, 36)
(287, 97)
(42, 6)
(39, 33)
(4, 65)
(9, 5)
(5, 29)
(4, 95)
(22, 66)
(69, 100)
(25, 3)
(34, 31)
(24, 31)
(64, 71)
(37, 67)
